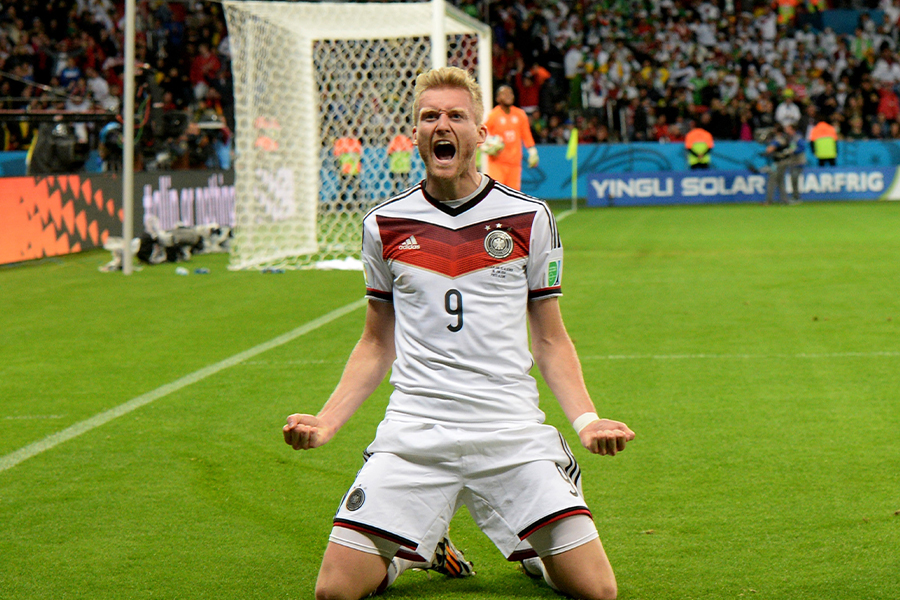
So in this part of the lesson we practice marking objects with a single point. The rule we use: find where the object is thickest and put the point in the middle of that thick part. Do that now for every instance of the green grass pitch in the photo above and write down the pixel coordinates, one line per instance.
(754, 350)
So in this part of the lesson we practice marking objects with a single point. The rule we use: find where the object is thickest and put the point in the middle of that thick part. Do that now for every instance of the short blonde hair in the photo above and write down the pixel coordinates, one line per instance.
(449, 77)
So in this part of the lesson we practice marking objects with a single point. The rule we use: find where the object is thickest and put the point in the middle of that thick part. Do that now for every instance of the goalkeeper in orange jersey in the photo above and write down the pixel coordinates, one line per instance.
(508, 129)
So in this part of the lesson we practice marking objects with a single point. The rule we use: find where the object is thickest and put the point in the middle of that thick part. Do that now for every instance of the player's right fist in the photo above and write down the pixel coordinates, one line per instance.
(303, 432)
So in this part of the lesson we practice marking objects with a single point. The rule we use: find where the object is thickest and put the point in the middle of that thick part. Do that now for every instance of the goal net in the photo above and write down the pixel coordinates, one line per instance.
(323, 96)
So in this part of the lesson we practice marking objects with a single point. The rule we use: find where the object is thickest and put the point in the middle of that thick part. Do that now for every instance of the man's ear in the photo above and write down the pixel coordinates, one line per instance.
(415, 140)
(482, 133)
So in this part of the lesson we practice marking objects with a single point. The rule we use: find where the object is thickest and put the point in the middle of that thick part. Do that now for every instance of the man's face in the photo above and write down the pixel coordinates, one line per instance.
(505, 94)
(447, 133)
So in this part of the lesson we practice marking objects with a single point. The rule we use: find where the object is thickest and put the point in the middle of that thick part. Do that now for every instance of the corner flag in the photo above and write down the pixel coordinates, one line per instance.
(572, 154)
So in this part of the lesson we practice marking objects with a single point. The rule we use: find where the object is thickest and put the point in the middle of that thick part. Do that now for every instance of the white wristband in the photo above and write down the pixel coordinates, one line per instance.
(584, 420)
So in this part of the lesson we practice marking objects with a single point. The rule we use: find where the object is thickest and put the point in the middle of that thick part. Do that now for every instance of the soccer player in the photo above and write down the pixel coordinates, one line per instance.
(511, 125)
(457, 268)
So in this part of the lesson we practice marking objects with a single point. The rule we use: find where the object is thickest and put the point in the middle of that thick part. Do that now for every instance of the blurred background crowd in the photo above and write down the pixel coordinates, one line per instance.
(639, 71)
(68, 55)
(619, 70)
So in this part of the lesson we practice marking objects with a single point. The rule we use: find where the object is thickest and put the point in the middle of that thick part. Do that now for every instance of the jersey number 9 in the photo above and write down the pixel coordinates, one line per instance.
(457, 312)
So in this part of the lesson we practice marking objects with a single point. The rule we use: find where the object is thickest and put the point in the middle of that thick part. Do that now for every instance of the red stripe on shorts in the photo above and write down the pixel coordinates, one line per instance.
(568, 512)
(376, 532)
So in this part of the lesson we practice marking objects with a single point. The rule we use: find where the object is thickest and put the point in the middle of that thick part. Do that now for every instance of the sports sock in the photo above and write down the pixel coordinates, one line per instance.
(396, 568)
(535, 566)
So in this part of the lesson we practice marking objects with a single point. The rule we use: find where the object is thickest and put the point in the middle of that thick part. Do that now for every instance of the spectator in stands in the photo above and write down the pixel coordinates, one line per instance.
(745, 125)
(889, 103)
(661, 129)
(204, 70)
(595, 92)
(720, 123)
(787, 112)
(70, 73)
(528, 86)
(98, 88)
(827, 101)
(574, 70)
(79, 101)
(855, 131)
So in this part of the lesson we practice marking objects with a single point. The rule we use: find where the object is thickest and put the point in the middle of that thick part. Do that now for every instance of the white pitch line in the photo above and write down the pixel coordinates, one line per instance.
(32, 417)
(11, 460)
(564, 214)
(738, 356)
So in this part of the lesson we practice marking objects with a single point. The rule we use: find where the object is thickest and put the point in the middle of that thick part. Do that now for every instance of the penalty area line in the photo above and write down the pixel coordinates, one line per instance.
(53, 440)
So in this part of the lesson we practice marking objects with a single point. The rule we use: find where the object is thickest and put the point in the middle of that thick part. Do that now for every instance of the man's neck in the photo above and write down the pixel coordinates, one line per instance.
(453, 189)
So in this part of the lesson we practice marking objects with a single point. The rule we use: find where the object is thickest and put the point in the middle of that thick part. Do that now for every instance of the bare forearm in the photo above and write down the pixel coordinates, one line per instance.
(365, 370)
(368, 364)
(557, 359)
(558, 362)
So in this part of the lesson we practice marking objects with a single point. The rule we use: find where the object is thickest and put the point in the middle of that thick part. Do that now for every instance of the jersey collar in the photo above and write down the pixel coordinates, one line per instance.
(454, 212)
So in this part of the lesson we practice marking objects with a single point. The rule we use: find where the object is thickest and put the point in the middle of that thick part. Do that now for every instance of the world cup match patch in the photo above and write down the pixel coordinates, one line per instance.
(554, 273)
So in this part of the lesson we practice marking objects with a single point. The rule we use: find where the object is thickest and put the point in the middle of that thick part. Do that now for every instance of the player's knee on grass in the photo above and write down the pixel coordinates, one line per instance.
(348, 574)
(583, 572)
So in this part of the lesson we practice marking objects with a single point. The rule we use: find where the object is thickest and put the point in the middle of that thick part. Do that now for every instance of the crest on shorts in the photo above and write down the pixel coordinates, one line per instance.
(498, 244)
(355, 499)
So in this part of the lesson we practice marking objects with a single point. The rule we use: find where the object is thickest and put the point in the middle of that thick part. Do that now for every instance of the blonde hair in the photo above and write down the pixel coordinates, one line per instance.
(449, 77)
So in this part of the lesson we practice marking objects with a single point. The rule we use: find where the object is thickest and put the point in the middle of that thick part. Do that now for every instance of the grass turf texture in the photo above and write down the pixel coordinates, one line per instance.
(753, 349)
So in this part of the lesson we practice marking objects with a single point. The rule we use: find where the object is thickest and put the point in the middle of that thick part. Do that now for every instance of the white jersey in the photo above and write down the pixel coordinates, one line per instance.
(460, 280)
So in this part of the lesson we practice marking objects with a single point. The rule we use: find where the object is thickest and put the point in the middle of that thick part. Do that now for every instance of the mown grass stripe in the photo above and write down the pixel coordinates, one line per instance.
(51, 441)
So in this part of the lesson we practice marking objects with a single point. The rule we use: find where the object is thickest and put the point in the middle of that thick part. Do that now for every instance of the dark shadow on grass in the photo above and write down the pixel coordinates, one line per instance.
(510, 583)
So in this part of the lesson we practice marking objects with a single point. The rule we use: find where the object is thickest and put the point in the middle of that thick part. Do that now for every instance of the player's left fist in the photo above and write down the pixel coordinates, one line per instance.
(533, 158)
(606, 437)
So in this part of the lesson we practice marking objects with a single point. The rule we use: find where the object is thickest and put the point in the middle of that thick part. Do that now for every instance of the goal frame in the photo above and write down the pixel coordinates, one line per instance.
(306, 23)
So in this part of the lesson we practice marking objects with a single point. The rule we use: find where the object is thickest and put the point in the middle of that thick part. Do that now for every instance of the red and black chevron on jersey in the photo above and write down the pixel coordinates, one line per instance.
(451, 252)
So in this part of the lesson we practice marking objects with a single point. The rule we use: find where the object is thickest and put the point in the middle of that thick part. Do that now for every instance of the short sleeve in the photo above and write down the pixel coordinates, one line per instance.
(544, 266)
(379, 281)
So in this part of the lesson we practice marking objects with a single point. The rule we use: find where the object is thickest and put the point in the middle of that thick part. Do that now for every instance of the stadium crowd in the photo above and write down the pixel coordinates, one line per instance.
(629, 71)
(619, 70)
(68, 55)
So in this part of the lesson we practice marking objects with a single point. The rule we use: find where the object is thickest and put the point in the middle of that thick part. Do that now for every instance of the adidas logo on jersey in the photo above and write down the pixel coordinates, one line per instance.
(410, 244)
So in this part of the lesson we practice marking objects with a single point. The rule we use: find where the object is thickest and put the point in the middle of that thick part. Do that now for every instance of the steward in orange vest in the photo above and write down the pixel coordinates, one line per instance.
(699, 144)
(824, 142)
(348, 151)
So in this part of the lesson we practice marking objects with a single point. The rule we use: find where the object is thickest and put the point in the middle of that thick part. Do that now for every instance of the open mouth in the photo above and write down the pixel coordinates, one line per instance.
(444, 150)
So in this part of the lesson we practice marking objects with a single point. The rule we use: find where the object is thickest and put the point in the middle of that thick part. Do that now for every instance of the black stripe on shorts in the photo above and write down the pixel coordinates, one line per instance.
(361, 527)
(562, 514)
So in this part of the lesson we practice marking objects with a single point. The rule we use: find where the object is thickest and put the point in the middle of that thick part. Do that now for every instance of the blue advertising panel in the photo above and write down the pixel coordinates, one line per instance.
(552, 179)
(717, 187)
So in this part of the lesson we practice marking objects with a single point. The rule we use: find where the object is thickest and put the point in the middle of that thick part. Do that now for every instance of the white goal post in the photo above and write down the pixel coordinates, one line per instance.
(323, 96)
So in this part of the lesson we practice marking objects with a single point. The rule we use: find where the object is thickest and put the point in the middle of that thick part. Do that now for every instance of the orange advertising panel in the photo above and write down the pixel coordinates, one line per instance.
(54, 215)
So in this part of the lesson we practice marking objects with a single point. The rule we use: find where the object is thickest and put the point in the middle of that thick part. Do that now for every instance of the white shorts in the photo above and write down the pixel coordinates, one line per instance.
(514, 478)
(555, 538)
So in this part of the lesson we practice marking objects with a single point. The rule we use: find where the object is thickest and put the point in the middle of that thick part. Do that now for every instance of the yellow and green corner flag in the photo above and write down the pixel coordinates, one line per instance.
(572, 154)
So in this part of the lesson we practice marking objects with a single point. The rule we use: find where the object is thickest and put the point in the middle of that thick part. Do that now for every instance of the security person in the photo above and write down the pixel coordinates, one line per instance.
(348, 152)
(824, 141)
(699, 144)
(400, 161)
